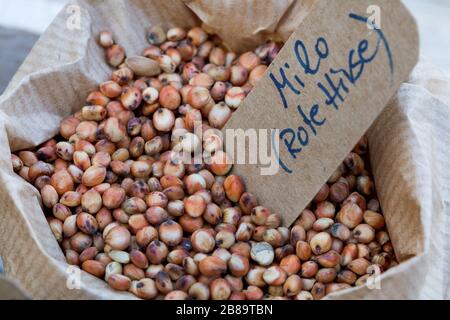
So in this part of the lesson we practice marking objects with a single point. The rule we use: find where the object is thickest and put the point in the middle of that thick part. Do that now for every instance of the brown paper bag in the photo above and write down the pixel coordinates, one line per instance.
(408, 143)
(10, 289)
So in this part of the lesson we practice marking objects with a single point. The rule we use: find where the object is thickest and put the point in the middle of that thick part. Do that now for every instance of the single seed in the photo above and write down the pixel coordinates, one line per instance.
(146, 289)
(303, 250)
(234, 97)
(253, 293)
(118, 238)
(212, 266)
(274, 276)
(143, 66)
(290, 264)
(374, 219)
(359, 266)
(202, 241)
(325, 209)
(350, 215)
(318, 291)
(94, 267)
(87, 223)
(91, 201)
(115, 55)
(163, 282)
(322, 224)
(119, 282)
(364, 233)
(199, 291)
(170, 233)
(119, 256)
(340, 231)
(292, 286)
(262, 253)
(220, 289)
(156, 252)
(339, 191)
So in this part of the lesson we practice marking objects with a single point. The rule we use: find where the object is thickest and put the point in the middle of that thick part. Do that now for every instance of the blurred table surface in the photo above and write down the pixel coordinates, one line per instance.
(14, 47)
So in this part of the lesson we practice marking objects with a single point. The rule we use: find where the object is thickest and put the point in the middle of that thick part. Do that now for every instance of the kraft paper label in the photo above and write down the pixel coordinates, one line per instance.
(324, 90)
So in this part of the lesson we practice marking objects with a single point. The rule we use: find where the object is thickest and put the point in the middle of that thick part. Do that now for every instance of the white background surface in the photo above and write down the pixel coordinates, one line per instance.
(433, 17)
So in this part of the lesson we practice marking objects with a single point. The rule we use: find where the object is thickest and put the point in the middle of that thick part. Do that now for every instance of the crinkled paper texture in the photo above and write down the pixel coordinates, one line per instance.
(409, 143)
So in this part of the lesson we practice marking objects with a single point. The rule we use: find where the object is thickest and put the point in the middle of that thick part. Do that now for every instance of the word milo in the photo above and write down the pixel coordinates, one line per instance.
(331, 80)
(335, 84)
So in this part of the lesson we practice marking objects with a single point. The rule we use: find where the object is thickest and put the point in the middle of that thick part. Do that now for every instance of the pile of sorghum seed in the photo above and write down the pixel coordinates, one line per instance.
(125, 211)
